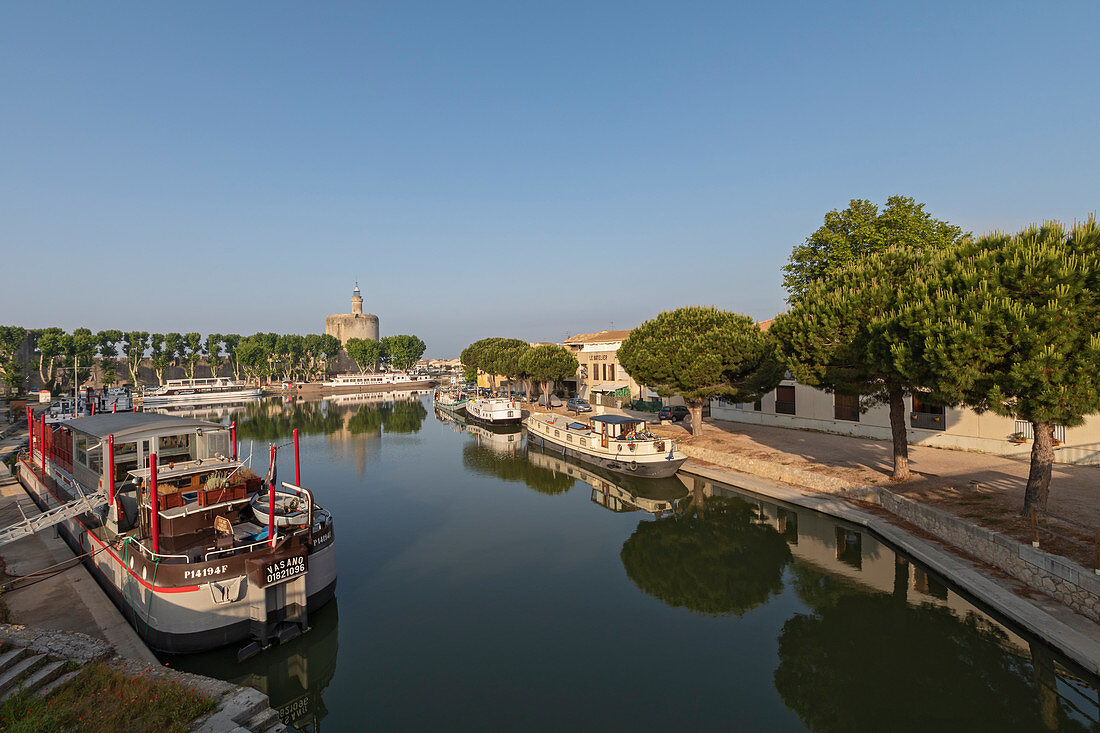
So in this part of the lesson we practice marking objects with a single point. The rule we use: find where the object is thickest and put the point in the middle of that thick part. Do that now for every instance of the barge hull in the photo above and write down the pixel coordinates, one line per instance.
(663, 469)
(203, 624)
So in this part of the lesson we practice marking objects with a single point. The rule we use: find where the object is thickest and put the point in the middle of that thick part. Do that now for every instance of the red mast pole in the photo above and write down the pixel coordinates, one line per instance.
(271, 502)
(111, 469)
(42, 444)
(30, 431)
(233, 437)
(297, 469)
(154, 504)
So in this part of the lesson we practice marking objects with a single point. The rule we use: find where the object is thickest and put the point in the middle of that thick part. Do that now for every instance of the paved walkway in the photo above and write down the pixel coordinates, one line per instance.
(70, 600)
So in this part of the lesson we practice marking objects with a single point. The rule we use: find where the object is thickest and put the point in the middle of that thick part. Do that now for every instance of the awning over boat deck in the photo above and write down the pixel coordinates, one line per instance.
(616, 419)
(134, 425)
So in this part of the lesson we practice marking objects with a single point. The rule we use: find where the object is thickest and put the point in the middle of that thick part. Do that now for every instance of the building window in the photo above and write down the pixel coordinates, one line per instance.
(757, 406)
(846, 407)
(927, 416)
(784, 400)
(611, 371)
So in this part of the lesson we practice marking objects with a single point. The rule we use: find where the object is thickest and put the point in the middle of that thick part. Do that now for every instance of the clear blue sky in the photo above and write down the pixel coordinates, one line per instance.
(505, 168)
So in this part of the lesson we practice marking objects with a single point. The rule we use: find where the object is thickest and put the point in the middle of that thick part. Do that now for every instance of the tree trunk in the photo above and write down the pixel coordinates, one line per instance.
(1046, 686)
(696, 409)
(901, 579)
(42, 367)
(698, 499)
(1042, 459)
(898, 433)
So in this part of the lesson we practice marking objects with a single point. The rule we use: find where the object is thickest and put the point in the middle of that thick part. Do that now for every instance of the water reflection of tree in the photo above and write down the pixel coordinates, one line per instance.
(714, 558)
(871, 661)
(270, 420)
(395, 417)
(516, 468)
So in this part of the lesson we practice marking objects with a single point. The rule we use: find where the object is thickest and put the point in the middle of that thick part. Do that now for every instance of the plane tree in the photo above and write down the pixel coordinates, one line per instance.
(402, 351)
(50, 343)
(701, 353)
(134, 344)
(194, 346)
(214, 352)
(11, 338)
(364, 352)
(548, 364)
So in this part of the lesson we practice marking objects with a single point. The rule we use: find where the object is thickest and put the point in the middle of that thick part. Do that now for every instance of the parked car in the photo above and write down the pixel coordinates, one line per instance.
(555, 401)
(576, 404)
(675, 413)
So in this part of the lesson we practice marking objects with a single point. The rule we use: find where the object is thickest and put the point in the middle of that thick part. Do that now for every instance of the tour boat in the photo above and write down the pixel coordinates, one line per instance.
(494, 411)
(159, 509)
(449, 400)
(618, 443)
(193, 391)
(366, 382)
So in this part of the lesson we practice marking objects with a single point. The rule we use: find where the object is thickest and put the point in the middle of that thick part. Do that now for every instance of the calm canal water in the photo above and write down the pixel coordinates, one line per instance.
(485, 586)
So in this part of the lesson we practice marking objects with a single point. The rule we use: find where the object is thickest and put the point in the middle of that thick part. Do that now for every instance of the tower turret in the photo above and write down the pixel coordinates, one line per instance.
(356, 301)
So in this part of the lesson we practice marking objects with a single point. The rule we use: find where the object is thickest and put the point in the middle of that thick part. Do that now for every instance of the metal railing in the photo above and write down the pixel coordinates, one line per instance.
(1037, 526)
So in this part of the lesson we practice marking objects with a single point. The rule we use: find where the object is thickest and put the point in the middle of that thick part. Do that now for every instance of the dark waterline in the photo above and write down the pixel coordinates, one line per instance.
(487, 586)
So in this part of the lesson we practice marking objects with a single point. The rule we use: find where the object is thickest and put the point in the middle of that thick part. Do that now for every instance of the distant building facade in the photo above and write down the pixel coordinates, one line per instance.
(354, 325)
(601, 378)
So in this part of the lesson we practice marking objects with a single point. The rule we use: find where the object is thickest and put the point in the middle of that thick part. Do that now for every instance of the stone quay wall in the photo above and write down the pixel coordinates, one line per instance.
(1069, 583)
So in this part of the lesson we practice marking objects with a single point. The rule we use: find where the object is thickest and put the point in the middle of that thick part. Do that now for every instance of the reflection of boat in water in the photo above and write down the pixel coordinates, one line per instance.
(373, 398)
(450, 419)
(502, 439)
(294, 674)
(616, 443)
(613, 491)
(213, 413)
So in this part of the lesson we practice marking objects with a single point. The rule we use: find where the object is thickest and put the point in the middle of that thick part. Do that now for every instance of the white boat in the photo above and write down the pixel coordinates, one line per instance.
(365, 382)
(494, 411)
(195, 391)
(617, 443)
(449, 400)
(91, 402)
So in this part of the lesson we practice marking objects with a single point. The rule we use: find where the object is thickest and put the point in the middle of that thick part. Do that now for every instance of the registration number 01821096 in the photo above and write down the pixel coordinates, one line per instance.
(205, 572)
(283, 569)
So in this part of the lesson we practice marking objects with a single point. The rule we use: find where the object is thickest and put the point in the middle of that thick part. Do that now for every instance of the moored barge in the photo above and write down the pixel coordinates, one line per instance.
(171, 535)
(617, 443)
(494, 411)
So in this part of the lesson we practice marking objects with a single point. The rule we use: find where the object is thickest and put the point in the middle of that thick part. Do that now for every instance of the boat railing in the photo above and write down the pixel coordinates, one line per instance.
(309, 500)
(233, 550)
(157, 556)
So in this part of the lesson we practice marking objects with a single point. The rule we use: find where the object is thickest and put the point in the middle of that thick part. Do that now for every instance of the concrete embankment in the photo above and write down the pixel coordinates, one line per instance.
(1074, 635)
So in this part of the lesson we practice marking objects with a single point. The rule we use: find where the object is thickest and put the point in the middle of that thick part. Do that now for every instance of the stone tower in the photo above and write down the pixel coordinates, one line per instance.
(354, 325)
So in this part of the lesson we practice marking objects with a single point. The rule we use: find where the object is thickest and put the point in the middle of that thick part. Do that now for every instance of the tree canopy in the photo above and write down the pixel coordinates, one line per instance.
(861, 229)
(700, 352)
(402, 351)
(547, 363)
(1015, 329)
(364, 352)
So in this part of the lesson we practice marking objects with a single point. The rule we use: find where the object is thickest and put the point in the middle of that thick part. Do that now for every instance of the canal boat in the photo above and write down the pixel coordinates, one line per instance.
(449, 400)
(494, 411)
(618, 443)
(90, 402)
(163, 515)
(365, 382)
(196, 391)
